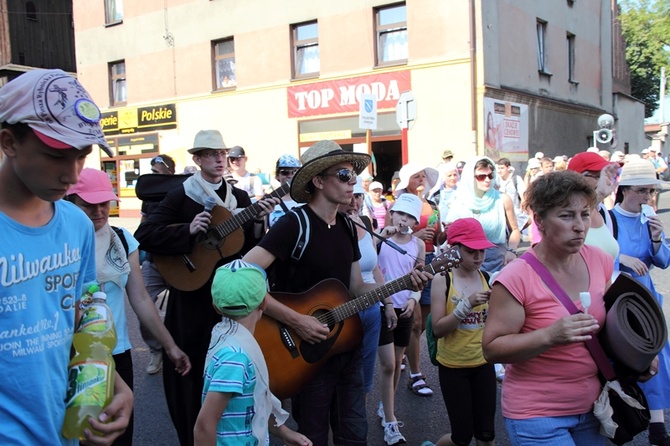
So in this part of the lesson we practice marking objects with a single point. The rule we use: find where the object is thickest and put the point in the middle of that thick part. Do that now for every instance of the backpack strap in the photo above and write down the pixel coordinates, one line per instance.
(516, 186)
(304, 233)
(609, 217)
(122, 236)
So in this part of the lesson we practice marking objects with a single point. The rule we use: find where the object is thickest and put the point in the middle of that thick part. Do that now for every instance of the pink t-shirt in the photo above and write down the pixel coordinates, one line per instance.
(563, 380)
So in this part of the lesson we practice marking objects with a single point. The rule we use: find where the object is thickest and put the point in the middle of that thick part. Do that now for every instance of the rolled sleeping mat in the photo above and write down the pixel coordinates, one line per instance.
(635, 330)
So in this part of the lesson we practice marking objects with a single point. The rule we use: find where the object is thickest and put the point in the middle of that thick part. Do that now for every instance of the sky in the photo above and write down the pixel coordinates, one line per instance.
(656, 117)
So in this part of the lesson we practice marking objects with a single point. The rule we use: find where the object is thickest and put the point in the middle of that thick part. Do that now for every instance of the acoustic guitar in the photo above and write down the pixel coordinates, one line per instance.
(291, 361)
(223, 238)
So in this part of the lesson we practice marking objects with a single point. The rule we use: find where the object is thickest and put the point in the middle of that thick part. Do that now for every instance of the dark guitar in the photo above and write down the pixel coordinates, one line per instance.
(293, 362)
(224, 238)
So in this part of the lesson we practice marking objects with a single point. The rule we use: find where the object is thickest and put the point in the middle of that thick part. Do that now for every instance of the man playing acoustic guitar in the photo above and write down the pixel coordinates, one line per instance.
(177, 230)
(325, 181)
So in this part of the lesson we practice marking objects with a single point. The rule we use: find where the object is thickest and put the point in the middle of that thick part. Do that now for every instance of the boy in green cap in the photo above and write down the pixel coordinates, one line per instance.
(237, 405)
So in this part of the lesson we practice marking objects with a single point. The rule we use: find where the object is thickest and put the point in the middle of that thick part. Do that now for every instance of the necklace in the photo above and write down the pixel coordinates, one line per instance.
(328, 223)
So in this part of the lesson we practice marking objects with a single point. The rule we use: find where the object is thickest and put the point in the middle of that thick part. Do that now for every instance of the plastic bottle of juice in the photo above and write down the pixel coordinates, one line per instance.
(433, 218)
(91, 370)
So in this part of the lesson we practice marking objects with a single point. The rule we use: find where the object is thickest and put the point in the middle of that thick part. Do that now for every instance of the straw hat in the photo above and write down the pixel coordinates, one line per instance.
(638, 172)
(318, 158)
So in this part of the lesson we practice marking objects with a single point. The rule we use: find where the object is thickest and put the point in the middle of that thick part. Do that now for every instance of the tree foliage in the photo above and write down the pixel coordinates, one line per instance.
(646, 29)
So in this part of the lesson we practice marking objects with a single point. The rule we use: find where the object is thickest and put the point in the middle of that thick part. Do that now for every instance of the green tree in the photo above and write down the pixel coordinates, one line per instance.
(646, 29)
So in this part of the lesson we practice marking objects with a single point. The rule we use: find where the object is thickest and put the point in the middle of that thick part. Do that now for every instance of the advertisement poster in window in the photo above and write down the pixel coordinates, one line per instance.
(505, 130)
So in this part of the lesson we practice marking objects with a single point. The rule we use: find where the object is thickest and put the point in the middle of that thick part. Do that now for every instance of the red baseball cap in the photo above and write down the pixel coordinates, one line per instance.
(468, 232)
(587, 161)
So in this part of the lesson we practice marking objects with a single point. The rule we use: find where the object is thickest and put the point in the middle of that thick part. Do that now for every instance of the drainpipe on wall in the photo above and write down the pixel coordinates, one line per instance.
(473, 73)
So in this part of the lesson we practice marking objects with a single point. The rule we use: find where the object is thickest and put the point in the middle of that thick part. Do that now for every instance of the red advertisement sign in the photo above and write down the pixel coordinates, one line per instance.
(342, 96)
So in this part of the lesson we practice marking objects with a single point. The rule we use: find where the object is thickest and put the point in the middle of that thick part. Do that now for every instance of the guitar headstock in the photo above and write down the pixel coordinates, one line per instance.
(444, 262)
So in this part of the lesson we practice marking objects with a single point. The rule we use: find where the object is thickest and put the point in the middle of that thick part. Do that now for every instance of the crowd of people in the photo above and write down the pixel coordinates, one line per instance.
(586, 217)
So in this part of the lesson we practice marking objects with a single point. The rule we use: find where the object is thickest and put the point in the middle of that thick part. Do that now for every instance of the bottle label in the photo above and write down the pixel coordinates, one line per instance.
(433, 218)
(87, 384)
(94, 319)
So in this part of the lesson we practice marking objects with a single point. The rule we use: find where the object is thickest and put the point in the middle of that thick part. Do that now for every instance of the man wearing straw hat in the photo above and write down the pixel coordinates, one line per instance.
(324, 182)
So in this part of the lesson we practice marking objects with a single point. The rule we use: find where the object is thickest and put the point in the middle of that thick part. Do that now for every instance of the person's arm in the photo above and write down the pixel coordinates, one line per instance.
(307, 327)
(503, 341)
(146, 312)
(210, 413)
(113, 420)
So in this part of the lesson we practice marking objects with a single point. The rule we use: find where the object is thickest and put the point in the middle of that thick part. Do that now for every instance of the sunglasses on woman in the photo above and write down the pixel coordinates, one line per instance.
(483, 176)
(343, 175)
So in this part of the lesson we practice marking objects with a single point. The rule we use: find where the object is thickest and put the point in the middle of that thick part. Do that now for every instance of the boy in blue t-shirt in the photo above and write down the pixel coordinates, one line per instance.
(237, 405)
(48, 125)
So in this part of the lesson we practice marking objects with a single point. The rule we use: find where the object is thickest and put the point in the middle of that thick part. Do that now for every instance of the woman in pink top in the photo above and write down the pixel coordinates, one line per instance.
(551, 380)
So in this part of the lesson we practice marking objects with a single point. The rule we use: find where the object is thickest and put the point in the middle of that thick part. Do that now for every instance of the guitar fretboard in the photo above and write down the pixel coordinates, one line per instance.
(222, 230)
(366, 300)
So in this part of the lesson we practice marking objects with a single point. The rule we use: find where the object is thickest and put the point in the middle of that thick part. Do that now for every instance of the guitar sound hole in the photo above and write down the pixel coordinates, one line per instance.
(212, 239)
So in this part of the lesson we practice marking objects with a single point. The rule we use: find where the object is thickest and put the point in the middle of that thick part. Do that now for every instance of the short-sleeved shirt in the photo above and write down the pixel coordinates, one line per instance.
(563, 380)
(232, 371)
(329, 253)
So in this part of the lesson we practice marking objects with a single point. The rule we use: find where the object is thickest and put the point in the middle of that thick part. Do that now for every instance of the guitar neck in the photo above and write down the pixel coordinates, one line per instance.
(246, 214)
(366, 300)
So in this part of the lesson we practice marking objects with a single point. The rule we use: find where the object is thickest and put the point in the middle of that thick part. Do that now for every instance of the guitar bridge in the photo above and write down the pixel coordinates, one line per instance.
(288, 341)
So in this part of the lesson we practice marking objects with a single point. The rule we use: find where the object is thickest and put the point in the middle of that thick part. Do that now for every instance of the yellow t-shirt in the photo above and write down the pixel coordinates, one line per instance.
(463, 347)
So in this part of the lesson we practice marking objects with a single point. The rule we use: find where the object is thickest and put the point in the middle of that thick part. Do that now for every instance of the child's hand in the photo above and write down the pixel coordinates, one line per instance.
(479, 298)
(408, 309)
(291, 437)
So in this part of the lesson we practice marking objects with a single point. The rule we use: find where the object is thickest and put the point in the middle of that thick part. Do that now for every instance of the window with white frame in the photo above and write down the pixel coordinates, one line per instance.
(306, 61)
(117, 82)
(570, 46)
(224, 64)
(541, 46)
(113, 11)
(391, 34)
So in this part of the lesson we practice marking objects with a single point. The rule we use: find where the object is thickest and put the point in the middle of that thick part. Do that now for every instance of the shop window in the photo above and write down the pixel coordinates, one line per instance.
(113, 12)
(305, 38)
(117, 83)
(224, 64)
(391, 34)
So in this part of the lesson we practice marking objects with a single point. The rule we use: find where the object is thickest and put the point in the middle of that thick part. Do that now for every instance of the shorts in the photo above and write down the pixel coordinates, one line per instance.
(399, 335)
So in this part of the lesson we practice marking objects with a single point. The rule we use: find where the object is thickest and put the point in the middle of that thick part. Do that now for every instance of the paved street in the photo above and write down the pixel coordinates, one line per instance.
(424, 418)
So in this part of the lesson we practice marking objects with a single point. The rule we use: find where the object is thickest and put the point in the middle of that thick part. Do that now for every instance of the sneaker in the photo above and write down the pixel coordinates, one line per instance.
(156, 363)
(392, 434)
(427, 443)
(403, 364)
(380, 413)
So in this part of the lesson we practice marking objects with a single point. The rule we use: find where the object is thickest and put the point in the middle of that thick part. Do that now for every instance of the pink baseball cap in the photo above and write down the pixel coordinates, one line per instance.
(468, 232)
(93, 187)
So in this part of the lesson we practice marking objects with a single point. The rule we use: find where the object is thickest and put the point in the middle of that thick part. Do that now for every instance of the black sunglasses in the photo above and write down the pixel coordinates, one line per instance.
(344, 175)
(287, 172)
(483, 176)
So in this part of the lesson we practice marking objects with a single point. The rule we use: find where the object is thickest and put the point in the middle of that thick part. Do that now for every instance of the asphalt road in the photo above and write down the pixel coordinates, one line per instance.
(423, 418)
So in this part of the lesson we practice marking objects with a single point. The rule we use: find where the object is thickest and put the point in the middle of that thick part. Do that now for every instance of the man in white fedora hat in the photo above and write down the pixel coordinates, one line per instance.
(174, 229)
(325, 182)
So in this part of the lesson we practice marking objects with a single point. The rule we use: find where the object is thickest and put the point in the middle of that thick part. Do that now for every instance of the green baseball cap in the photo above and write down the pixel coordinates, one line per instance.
(238, 288)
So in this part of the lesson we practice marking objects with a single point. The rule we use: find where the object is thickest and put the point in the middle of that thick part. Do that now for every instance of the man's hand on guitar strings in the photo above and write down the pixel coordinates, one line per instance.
(268, 205)
(311, 330)
(200, 223)
(420, 279)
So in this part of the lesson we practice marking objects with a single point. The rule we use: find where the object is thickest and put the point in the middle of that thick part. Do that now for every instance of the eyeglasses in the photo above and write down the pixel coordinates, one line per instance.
(214, 154)
(653, 192)
(594, 175)
(344, 175)
(358, 196)
(483, 176)
(287, 172)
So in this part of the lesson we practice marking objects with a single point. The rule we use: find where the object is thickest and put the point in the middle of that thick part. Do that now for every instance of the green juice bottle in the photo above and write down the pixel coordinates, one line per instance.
(91, 370)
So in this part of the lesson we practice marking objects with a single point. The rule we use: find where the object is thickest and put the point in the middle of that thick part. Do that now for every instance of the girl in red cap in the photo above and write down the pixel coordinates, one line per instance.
(459, 307)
